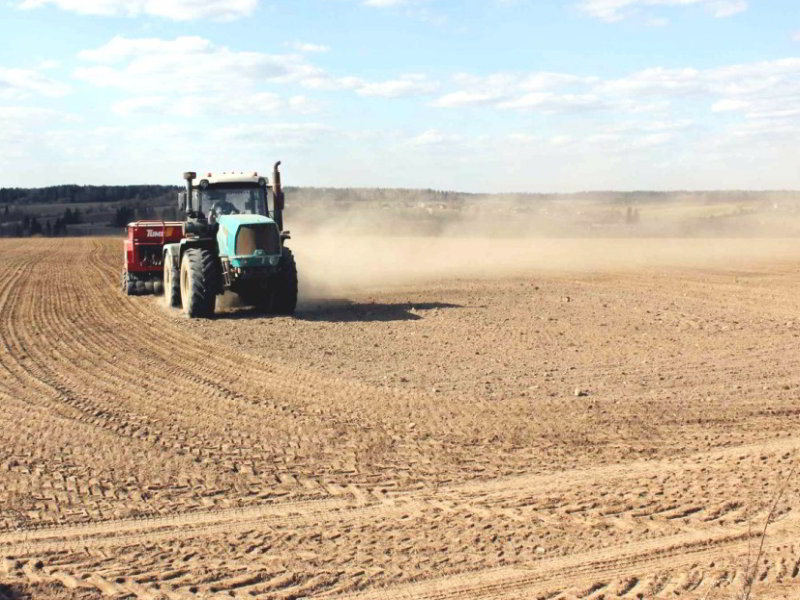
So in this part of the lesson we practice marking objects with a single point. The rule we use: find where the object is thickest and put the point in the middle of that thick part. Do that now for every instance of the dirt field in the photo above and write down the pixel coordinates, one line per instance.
(556, 419)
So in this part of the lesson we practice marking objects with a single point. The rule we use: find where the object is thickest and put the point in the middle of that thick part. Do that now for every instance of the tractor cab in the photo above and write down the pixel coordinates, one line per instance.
(231, 194)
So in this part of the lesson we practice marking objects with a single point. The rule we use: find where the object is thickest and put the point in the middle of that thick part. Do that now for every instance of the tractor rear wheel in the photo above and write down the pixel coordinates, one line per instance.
(199, 282)
(172, 283)
(284, 298)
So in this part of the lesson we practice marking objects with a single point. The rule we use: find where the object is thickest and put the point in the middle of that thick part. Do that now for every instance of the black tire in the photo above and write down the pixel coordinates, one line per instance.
(199, 282)
(172, 283)
(284, 298)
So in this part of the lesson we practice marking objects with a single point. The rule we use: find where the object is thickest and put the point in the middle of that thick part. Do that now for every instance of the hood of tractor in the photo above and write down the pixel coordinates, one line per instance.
(249, 240)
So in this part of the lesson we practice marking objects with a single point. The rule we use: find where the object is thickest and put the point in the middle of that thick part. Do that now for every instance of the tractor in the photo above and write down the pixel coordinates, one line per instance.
(231, 242)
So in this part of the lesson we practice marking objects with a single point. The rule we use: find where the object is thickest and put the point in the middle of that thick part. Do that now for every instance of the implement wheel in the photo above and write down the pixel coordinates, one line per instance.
(127, 284)
(199, 282)
(172, 283)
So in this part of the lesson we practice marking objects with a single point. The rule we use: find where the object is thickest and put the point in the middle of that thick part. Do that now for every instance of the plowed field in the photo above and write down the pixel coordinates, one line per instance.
(623, 432)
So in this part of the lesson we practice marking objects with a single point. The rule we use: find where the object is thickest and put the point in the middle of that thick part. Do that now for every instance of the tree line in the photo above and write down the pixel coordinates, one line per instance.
(18, 224)
(71, 194)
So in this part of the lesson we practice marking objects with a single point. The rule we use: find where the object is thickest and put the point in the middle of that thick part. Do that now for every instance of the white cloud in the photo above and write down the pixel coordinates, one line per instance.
(199, 105)
(414, 9)
(191, 65)
(467, 98)
(768, 87)
(179, 10)
(547, 102)
(20, 83)
(202, 78)
(656, 81)
(275, 135)
(435, 138)
(386, 3)
(506, 89)
(406, 85)
(796, 36)
(616, 10)
(307, 47)
(21, 129)
(29, 115)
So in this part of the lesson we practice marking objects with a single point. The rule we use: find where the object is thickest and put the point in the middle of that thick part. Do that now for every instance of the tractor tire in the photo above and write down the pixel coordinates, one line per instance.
(199, 282)
(284, 298)
(127, 284)
(172, 283)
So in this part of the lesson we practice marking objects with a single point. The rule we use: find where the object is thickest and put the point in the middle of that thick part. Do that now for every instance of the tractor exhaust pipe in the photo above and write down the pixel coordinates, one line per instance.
(277, 193)
(189, 176)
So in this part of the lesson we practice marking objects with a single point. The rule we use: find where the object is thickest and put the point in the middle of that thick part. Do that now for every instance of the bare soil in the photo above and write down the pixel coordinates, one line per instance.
(441, 419)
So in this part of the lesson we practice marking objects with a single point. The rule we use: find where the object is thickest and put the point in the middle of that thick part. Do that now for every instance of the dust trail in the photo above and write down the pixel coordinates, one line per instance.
(349, 240)
(331, 265)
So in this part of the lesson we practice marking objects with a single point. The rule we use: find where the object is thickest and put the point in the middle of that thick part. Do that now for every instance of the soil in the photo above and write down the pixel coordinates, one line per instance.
(616, 421)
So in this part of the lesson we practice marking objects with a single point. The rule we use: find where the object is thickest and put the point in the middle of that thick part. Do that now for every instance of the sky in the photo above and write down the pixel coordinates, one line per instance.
(477, 95)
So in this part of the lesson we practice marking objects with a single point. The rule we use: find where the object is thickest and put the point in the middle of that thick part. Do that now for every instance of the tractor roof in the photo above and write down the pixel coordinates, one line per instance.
(250, 177)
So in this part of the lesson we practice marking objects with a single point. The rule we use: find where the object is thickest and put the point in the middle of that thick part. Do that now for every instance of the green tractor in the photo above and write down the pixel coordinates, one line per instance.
(231, 242)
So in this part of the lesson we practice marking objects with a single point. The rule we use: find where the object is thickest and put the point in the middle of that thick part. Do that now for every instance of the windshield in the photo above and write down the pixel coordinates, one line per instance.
(233, 201)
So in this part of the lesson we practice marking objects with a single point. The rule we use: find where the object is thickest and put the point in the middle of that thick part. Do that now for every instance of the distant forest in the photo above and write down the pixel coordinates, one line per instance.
(81, 209)
(72, 194)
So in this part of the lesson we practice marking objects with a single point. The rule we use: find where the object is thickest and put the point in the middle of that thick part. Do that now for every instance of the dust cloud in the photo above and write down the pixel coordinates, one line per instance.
(331, 265)
(353, 240)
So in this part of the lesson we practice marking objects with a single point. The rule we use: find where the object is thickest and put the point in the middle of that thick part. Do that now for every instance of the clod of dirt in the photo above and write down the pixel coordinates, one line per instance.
(579, 393)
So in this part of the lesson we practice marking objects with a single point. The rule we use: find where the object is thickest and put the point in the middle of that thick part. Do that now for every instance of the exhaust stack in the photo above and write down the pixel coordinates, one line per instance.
(277, 193)
(189, 176)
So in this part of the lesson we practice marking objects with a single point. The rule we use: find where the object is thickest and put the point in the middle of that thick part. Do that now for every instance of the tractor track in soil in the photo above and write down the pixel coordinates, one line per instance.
(224, 472)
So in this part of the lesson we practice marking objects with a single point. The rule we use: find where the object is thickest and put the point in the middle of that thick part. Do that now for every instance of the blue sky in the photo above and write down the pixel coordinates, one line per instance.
(479, 95)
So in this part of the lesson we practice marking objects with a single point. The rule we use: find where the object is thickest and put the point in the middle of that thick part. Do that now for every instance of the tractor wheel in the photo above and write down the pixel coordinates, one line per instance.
(199, 282)
(284, 299)
(172, 283)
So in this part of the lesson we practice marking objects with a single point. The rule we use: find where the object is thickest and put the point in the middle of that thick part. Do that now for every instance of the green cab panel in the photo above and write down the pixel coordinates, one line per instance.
(249, 240)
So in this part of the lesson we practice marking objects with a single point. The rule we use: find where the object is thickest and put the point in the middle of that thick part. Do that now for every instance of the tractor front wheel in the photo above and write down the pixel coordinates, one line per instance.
(199, 282)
